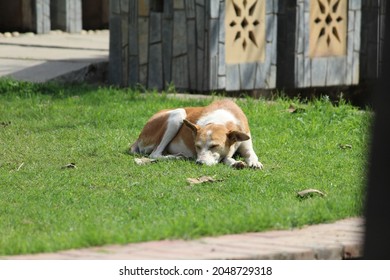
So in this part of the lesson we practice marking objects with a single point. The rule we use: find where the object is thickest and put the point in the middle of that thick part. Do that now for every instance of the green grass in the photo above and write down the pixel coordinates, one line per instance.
(109, 199)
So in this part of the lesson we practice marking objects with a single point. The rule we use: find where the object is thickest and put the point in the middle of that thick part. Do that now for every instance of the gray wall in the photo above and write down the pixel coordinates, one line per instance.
(182, 42)
(40, 16)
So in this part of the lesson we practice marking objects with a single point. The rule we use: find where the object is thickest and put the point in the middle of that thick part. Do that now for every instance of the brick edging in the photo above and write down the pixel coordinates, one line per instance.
(339, 240)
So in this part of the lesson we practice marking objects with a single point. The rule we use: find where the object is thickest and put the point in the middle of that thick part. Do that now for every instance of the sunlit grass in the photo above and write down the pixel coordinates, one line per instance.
(107, 198)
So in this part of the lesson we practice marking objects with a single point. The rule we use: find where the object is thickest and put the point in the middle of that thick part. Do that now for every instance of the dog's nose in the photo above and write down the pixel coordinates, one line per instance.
(199, 162)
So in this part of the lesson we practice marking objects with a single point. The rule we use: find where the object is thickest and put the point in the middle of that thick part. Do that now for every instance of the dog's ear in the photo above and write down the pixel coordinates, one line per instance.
(192, 126)
(237, 136)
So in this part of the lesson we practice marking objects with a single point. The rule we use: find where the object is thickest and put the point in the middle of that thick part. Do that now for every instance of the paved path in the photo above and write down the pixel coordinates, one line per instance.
(41, 58)
(339, 240)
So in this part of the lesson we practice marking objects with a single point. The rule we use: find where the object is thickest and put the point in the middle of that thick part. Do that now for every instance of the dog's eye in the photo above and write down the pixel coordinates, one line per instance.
(213, 146)
(198, 147)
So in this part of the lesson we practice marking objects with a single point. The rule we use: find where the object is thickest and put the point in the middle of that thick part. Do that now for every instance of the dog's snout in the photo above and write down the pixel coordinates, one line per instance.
(199, 162)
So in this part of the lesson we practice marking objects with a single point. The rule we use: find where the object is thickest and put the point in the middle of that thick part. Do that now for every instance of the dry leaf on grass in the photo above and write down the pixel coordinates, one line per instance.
(345, 146)
(5, 124)
(201, 180)
(308, 192)
(292, 109)
(144, 161)
(69, 165)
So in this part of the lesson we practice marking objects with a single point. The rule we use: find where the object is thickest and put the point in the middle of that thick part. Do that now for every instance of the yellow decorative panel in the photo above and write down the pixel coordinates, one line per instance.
(328, 28)
(244, 31)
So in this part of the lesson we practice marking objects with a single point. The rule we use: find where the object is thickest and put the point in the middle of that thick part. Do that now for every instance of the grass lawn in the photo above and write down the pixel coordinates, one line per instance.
(108, 198)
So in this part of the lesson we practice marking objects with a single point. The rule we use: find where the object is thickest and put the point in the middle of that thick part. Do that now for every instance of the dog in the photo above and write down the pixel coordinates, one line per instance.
(210, 134)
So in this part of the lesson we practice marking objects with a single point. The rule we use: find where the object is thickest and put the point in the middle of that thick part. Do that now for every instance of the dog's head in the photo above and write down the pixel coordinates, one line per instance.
(213, 142)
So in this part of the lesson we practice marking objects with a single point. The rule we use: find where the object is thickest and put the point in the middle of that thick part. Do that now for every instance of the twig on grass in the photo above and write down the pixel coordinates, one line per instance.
(20, 166)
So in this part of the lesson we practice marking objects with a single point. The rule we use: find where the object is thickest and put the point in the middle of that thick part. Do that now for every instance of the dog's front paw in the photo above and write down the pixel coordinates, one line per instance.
(255, 165)
(239, 165)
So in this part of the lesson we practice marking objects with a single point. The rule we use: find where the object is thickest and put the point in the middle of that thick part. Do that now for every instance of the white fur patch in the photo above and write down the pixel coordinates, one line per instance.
(220, 116)
(174, 122)
(177, 114)
(181, 149)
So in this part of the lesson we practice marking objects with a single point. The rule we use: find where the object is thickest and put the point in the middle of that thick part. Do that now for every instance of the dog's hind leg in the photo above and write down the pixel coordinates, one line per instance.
(174, 123)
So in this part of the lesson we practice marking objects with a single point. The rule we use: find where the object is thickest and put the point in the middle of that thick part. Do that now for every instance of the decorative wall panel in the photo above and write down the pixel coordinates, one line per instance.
(328, 28)
(245, 31)
(322, 45)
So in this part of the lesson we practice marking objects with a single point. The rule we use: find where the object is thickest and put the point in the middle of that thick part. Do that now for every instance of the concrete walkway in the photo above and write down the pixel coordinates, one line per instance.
(54, 56)
(334, 241)
(83, 57)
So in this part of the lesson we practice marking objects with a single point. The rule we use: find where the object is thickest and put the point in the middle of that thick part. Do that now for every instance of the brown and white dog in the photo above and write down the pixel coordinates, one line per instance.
(210, 134)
